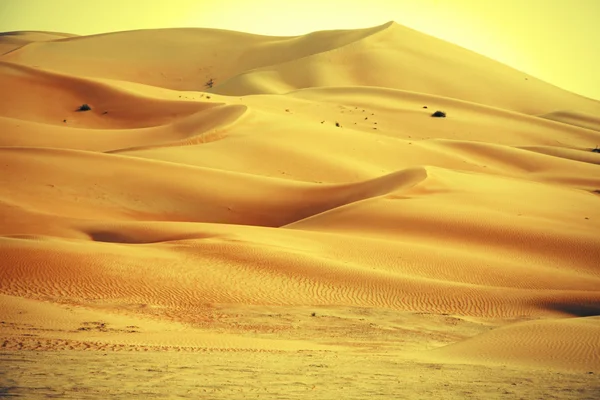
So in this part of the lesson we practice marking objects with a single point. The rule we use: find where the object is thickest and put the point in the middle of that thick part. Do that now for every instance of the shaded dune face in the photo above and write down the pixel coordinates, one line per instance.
(310, 173)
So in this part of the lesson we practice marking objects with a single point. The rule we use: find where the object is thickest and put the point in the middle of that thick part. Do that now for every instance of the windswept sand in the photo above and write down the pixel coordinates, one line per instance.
(305, 205)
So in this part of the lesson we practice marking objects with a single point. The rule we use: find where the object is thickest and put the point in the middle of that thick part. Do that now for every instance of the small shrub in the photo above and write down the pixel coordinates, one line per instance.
(313, 314)
(439, 114)
(596, 150)
(84, 107)
(424, 106)
(338, 124)
(210, 83)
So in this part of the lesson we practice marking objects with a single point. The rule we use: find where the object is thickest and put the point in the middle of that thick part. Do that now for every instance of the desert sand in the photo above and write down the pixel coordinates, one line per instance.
(301, 227)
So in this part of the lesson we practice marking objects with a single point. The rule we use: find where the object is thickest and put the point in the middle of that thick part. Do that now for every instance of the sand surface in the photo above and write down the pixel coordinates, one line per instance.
(300, 227)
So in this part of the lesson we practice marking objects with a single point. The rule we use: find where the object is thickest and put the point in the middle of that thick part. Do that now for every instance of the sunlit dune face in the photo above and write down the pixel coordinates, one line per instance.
(552, 41)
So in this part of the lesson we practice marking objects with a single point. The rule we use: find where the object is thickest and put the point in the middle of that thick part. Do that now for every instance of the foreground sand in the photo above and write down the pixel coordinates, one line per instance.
(234, 375)
(305, 206)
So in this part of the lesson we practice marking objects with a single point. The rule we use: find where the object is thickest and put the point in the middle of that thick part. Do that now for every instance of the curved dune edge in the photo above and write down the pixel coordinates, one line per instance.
(400, 46)
(53, 98)
(203, 127)
(63, 172)
(571, 344)
(180, 50)
(581, 155)
(570, 117)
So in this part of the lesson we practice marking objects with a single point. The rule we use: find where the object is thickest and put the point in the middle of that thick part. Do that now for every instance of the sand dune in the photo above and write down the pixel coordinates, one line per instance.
(55, 189)
(243, 64)
(49, 96)
(575, 118)
(310, 176)
(566, 343)
(188, 57)
(417, 59)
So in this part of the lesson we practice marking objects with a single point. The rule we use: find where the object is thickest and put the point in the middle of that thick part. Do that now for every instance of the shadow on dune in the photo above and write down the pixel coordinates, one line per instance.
(144, 234)
(108, 236)
(113, 237)
(577, 310)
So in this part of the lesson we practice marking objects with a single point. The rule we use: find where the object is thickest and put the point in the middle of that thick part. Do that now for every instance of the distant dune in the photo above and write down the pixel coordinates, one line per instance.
(310, 173)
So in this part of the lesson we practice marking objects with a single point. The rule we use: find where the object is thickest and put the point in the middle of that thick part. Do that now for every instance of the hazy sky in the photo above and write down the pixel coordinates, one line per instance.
(555, 40)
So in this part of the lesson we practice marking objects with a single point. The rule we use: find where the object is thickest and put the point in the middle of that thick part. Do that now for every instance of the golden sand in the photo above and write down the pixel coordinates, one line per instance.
(307, 204)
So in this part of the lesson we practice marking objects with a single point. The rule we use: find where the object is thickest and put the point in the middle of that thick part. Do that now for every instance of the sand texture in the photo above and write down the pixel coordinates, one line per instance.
(305, 204)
